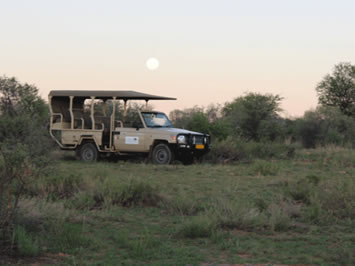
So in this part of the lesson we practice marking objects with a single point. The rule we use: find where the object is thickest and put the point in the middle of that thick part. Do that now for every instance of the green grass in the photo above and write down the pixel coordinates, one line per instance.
(299, 211)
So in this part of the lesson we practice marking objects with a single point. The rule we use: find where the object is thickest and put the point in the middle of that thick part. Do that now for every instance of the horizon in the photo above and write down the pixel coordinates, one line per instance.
(206, 52)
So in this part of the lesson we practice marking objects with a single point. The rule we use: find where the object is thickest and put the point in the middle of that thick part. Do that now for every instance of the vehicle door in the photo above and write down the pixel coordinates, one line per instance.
(131, 136)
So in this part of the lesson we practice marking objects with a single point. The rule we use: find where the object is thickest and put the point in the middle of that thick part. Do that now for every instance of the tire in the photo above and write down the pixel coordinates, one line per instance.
(88, 152)
(162, 154)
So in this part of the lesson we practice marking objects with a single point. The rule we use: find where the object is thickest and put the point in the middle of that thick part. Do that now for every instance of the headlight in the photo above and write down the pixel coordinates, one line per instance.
(181, 139)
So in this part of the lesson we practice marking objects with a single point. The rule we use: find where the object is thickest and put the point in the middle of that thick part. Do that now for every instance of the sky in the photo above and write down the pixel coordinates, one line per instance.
(209, 51)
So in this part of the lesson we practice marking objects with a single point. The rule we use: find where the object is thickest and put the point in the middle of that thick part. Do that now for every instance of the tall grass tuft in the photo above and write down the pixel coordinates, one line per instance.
(109, 191)
(182, 205)
(26, 244)
(196, 227)
(58, 185)
(234, 215)
(138, 192)
(264, 168)
(324, 199)
(247, 216)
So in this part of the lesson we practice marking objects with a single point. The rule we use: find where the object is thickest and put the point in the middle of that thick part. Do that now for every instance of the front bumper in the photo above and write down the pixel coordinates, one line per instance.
(195, 144)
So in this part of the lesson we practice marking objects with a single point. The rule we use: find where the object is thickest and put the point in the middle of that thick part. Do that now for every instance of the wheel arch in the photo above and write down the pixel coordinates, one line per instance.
(87, 139)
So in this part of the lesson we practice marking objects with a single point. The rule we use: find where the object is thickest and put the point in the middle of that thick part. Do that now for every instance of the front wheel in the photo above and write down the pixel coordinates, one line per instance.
(88, 152)
(162, 154)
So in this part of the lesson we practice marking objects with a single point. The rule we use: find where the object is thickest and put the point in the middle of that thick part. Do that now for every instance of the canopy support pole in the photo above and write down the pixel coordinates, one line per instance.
(112, 120)
(125, 108)
(71, 112)
(92, 113)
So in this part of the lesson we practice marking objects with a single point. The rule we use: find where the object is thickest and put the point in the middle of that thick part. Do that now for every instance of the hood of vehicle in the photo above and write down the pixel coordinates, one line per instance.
(178, 131)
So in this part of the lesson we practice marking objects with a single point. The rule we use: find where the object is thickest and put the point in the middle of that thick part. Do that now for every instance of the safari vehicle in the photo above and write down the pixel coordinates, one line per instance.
(91, 123)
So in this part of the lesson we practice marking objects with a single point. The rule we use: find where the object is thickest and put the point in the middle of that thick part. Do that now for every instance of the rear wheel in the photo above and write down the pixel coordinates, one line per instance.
(88, 152)
(162, 154)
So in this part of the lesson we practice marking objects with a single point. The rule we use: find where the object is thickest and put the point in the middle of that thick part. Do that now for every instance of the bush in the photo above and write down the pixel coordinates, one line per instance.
(325, 126)
(226, 151)
(24, 145)
(237, 149)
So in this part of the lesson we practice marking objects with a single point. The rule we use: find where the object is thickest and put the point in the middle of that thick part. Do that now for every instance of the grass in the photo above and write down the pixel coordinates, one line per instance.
(299, 211)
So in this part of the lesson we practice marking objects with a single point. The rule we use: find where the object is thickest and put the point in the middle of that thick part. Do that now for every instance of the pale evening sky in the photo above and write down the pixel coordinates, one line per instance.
(209, 51)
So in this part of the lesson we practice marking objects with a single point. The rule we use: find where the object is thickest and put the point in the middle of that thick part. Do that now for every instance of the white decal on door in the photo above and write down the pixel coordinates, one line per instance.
(132, 140)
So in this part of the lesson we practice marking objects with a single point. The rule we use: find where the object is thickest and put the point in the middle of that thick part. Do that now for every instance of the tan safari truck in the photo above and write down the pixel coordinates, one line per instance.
(89, 123)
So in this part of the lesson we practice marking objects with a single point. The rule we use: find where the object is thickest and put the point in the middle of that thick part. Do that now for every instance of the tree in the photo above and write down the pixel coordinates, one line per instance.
(206, 120)
(254, 116)
(24, 146)
(338, 89)
(198, 122)
(181, 118)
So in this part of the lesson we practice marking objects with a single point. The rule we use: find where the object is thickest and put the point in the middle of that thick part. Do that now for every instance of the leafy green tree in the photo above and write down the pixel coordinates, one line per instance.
(206, 120)
(181, 118)
(24, 146)
(199, 122)
(255, 116)
(338, 89)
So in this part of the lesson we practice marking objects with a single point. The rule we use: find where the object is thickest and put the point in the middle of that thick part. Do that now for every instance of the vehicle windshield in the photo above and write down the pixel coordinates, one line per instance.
(153, 119)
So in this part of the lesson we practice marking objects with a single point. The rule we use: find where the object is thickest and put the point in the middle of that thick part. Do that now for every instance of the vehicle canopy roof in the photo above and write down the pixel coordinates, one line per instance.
(102, 94)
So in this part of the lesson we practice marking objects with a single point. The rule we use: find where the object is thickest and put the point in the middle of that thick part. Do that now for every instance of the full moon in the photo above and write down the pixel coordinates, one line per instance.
(152, 63)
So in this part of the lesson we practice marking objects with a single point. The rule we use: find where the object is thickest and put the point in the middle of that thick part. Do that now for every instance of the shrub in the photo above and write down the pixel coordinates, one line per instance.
(236, 149)
(324, 126)
(226, 151)
(24, 145)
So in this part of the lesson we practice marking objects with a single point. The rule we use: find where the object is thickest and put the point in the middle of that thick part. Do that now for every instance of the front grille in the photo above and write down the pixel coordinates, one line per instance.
(197, 140)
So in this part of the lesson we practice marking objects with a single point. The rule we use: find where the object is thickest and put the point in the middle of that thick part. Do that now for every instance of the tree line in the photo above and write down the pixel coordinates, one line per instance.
(257, 117)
